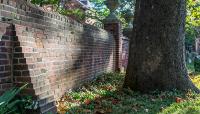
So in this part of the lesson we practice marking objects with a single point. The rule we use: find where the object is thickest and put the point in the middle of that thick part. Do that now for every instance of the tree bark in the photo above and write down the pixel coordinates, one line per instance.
(156, 54)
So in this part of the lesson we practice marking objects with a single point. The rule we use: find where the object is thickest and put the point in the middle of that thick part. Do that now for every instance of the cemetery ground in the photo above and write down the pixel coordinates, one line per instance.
(105, 95)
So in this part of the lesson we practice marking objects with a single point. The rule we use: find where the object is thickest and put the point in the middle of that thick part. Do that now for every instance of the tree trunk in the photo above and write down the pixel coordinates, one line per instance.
(156, 55)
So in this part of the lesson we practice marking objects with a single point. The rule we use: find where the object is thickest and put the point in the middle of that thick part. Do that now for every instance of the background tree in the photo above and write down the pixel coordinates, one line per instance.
(192, 21)
(156, 55)
(44, 2)
(98, 11)
(102, 11)
(59, 6)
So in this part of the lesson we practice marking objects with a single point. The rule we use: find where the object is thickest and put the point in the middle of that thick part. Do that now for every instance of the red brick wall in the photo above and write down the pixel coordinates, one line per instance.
(115, 29)
(6, 50)
(125, 52)
(50, 52)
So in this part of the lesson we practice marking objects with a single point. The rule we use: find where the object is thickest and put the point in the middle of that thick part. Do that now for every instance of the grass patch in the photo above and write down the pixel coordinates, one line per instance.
(191, 106)
(106, 96)
(195, 77)
(190, 67)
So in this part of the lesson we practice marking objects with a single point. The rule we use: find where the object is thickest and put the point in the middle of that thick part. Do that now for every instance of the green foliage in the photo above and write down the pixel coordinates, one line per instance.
(190, 67)
(78, 14)
(197, 64)
(98, 12)
(191, 34)
(105, 95)
(192, 21)
(101, 11)
(191, 106)
(44, 2)
(11, 104)
(193, 12)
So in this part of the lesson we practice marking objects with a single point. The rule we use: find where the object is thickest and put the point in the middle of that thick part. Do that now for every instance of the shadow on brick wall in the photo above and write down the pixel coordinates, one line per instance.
(6, 47)
(21, 72)
(14, 72)
(95, 56)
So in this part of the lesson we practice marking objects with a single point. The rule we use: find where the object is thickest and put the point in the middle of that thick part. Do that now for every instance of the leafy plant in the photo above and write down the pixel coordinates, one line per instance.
(10, 103)
(106, 96)
(59, 7)
(44, 2)
(197, 64)
(192, 21)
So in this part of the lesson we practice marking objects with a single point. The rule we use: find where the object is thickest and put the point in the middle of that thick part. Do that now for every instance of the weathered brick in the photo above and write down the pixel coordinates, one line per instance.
(3, 56)
(5, 80)
(5, 74)
(18, 55)
(2, 43)
(22, 60)
(2, 68)
(4, 62)
(15, 61)
(8, 68)
(17, 73)
(39, 59)
(20, 79)
(18, 49)
(25, 73)
(20, 67)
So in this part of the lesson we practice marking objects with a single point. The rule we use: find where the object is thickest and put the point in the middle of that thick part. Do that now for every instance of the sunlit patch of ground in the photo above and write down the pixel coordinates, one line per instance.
(191, 105)
(195, 79)
(106, 96)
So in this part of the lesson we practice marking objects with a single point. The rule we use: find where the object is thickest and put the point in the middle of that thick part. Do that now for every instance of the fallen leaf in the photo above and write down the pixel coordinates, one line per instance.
(109, 110)
(87, 101)
(107, 87)
(100, 111)
(97, 102)
(87, 111)
(178, 99)
(115, 101)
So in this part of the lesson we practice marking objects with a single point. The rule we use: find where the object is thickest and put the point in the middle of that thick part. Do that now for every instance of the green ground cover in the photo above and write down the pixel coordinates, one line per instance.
(106, 96)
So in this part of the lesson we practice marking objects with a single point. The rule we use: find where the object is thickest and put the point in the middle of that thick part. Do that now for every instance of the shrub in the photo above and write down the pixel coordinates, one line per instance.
(10, 103)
